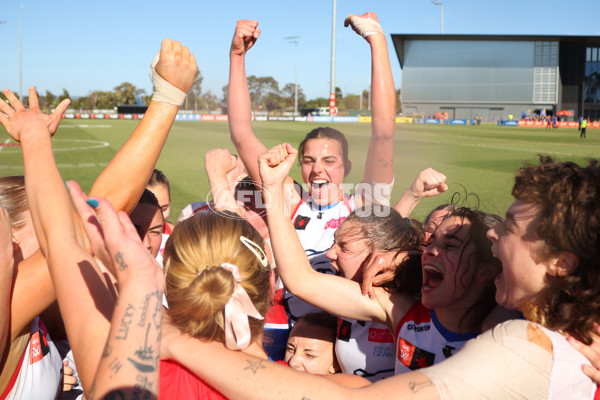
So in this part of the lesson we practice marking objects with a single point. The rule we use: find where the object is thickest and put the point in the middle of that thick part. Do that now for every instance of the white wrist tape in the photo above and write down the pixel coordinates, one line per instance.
(365, 26)
(163, 90)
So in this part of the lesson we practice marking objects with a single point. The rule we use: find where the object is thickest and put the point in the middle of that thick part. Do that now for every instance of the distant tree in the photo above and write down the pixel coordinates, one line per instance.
(338, 93)
(125, 93)
(65, 95)
(352, 101)
(260, 88)
(208, 102)
(288, 94)
(49, 99)
(365, 99)
(192, 100)
(318, 102)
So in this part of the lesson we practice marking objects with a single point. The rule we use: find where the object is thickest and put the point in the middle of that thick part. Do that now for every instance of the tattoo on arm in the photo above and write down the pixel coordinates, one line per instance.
(120, 261)
(125, 322)
(384, 162)
(416, 386)
(255, 365)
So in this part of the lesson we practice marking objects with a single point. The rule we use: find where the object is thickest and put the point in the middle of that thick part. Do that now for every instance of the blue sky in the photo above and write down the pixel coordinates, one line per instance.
(84, 46)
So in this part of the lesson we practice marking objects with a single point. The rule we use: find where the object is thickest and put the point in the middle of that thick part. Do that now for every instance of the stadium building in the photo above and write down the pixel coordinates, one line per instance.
(494, 76)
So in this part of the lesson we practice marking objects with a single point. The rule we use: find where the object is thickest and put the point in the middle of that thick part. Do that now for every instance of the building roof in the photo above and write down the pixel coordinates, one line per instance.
(399, 38)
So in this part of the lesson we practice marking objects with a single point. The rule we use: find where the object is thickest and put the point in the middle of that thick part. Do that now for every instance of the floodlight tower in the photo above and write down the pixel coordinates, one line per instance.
(294, 40)
(439, 3)
(332, 82)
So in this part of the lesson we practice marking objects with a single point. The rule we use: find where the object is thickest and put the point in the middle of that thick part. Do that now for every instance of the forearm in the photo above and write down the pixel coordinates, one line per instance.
(123, 180)
(240, 117)
(240, 376)
(331, 293)
(222, 196)
(379, 165)
(132, 349)
(406, 204)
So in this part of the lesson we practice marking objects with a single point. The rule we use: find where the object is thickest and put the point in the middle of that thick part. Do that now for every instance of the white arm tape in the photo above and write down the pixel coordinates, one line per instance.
(163, 90)
(365, 26)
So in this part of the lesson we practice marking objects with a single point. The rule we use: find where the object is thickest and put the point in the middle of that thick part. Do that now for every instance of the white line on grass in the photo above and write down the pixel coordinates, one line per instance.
(93, 144)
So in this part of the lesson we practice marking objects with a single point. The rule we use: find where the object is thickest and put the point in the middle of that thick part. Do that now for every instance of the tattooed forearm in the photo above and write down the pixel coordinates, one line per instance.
(416, 386)
(125, 322)
(385, 163)
(120, 261)
(254, 365)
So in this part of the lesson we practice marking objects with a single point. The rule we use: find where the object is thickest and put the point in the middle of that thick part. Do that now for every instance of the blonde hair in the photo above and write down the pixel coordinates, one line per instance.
(197, 288)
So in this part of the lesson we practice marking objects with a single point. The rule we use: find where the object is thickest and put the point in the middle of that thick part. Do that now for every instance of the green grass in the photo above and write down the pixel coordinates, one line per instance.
(478, 159)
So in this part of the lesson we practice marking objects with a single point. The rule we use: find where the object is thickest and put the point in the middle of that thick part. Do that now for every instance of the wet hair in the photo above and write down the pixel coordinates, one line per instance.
(14, 200)
(321, 319)
(383, 228)
(447, 206)
(325, 133)
(198, 288)
(158, 178)
(568, 196)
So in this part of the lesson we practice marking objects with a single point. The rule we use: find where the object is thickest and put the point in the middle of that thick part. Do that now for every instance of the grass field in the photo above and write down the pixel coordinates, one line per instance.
(478, 159)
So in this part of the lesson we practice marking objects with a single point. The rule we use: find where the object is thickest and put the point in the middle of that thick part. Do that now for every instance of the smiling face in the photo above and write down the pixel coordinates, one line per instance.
(449, 265)
(348, 252)
(516, 244)
(310, 349)
(323, 169)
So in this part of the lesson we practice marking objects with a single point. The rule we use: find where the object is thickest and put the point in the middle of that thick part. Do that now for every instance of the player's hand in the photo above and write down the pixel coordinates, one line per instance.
(19, 120)
(365, 25)
(428, 183)
(246, 34)
(219, 162)
(379, 268)
(177, 65)
(591, 352)
(275, 164)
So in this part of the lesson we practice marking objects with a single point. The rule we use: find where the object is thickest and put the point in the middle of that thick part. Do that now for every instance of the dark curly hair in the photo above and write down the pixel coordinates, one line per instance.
(568, 196)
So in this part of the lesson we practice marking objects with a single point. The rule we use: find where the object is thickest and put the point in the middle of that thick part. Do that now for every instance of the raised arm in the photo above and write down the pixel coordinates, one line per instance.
(239, 107)
(80, 290)
(124, 179)
(334, 294)
(379, 166)
(129, 364)
(428, 183)
(218, 163)
(6, 277)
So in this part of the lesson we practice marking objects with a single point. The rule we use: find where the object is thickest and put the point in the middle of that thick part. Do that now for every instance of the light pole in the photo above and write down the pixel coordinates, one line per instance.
(439, 3)
(21, 53)
(294, 40)
(332, 85)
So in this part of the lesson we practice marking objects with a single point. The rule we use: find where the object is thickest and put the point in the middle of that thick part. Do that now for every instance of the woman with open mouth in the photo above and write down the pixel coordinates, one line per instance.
(549, 248)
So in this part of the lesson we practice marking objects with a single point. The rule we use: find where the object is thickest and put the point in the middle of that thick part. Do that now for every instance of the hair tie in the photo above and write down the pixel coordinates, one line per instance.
(237, 310)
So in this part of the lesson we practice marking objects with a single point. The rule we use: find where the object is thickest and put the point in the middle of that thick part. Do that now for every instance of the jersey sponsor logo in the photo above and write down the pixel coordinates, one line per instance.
(344, 330)
(334, 223)
(447, 351)
(380, 336)
(301, 222)
(418, 328)
(413, 357)
(38, 347)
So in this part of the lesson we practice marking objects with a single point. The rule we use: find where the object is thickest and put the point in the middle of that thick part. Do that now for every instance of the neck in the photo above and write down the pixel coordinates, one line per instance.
(459, 320)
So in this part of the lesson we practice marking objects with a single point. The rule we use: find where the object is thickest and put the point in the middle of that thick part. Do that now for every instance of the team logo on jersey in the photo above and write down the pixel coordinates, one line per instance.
(38, 347)
(334, 223)
(344, 330)
(301, 222)
(380, 336)
(413, 357)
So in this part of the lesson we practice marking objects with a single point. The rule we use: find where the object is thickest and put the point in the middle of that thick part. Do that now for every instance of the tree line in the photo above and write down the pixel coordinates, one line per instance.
(265, 95)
